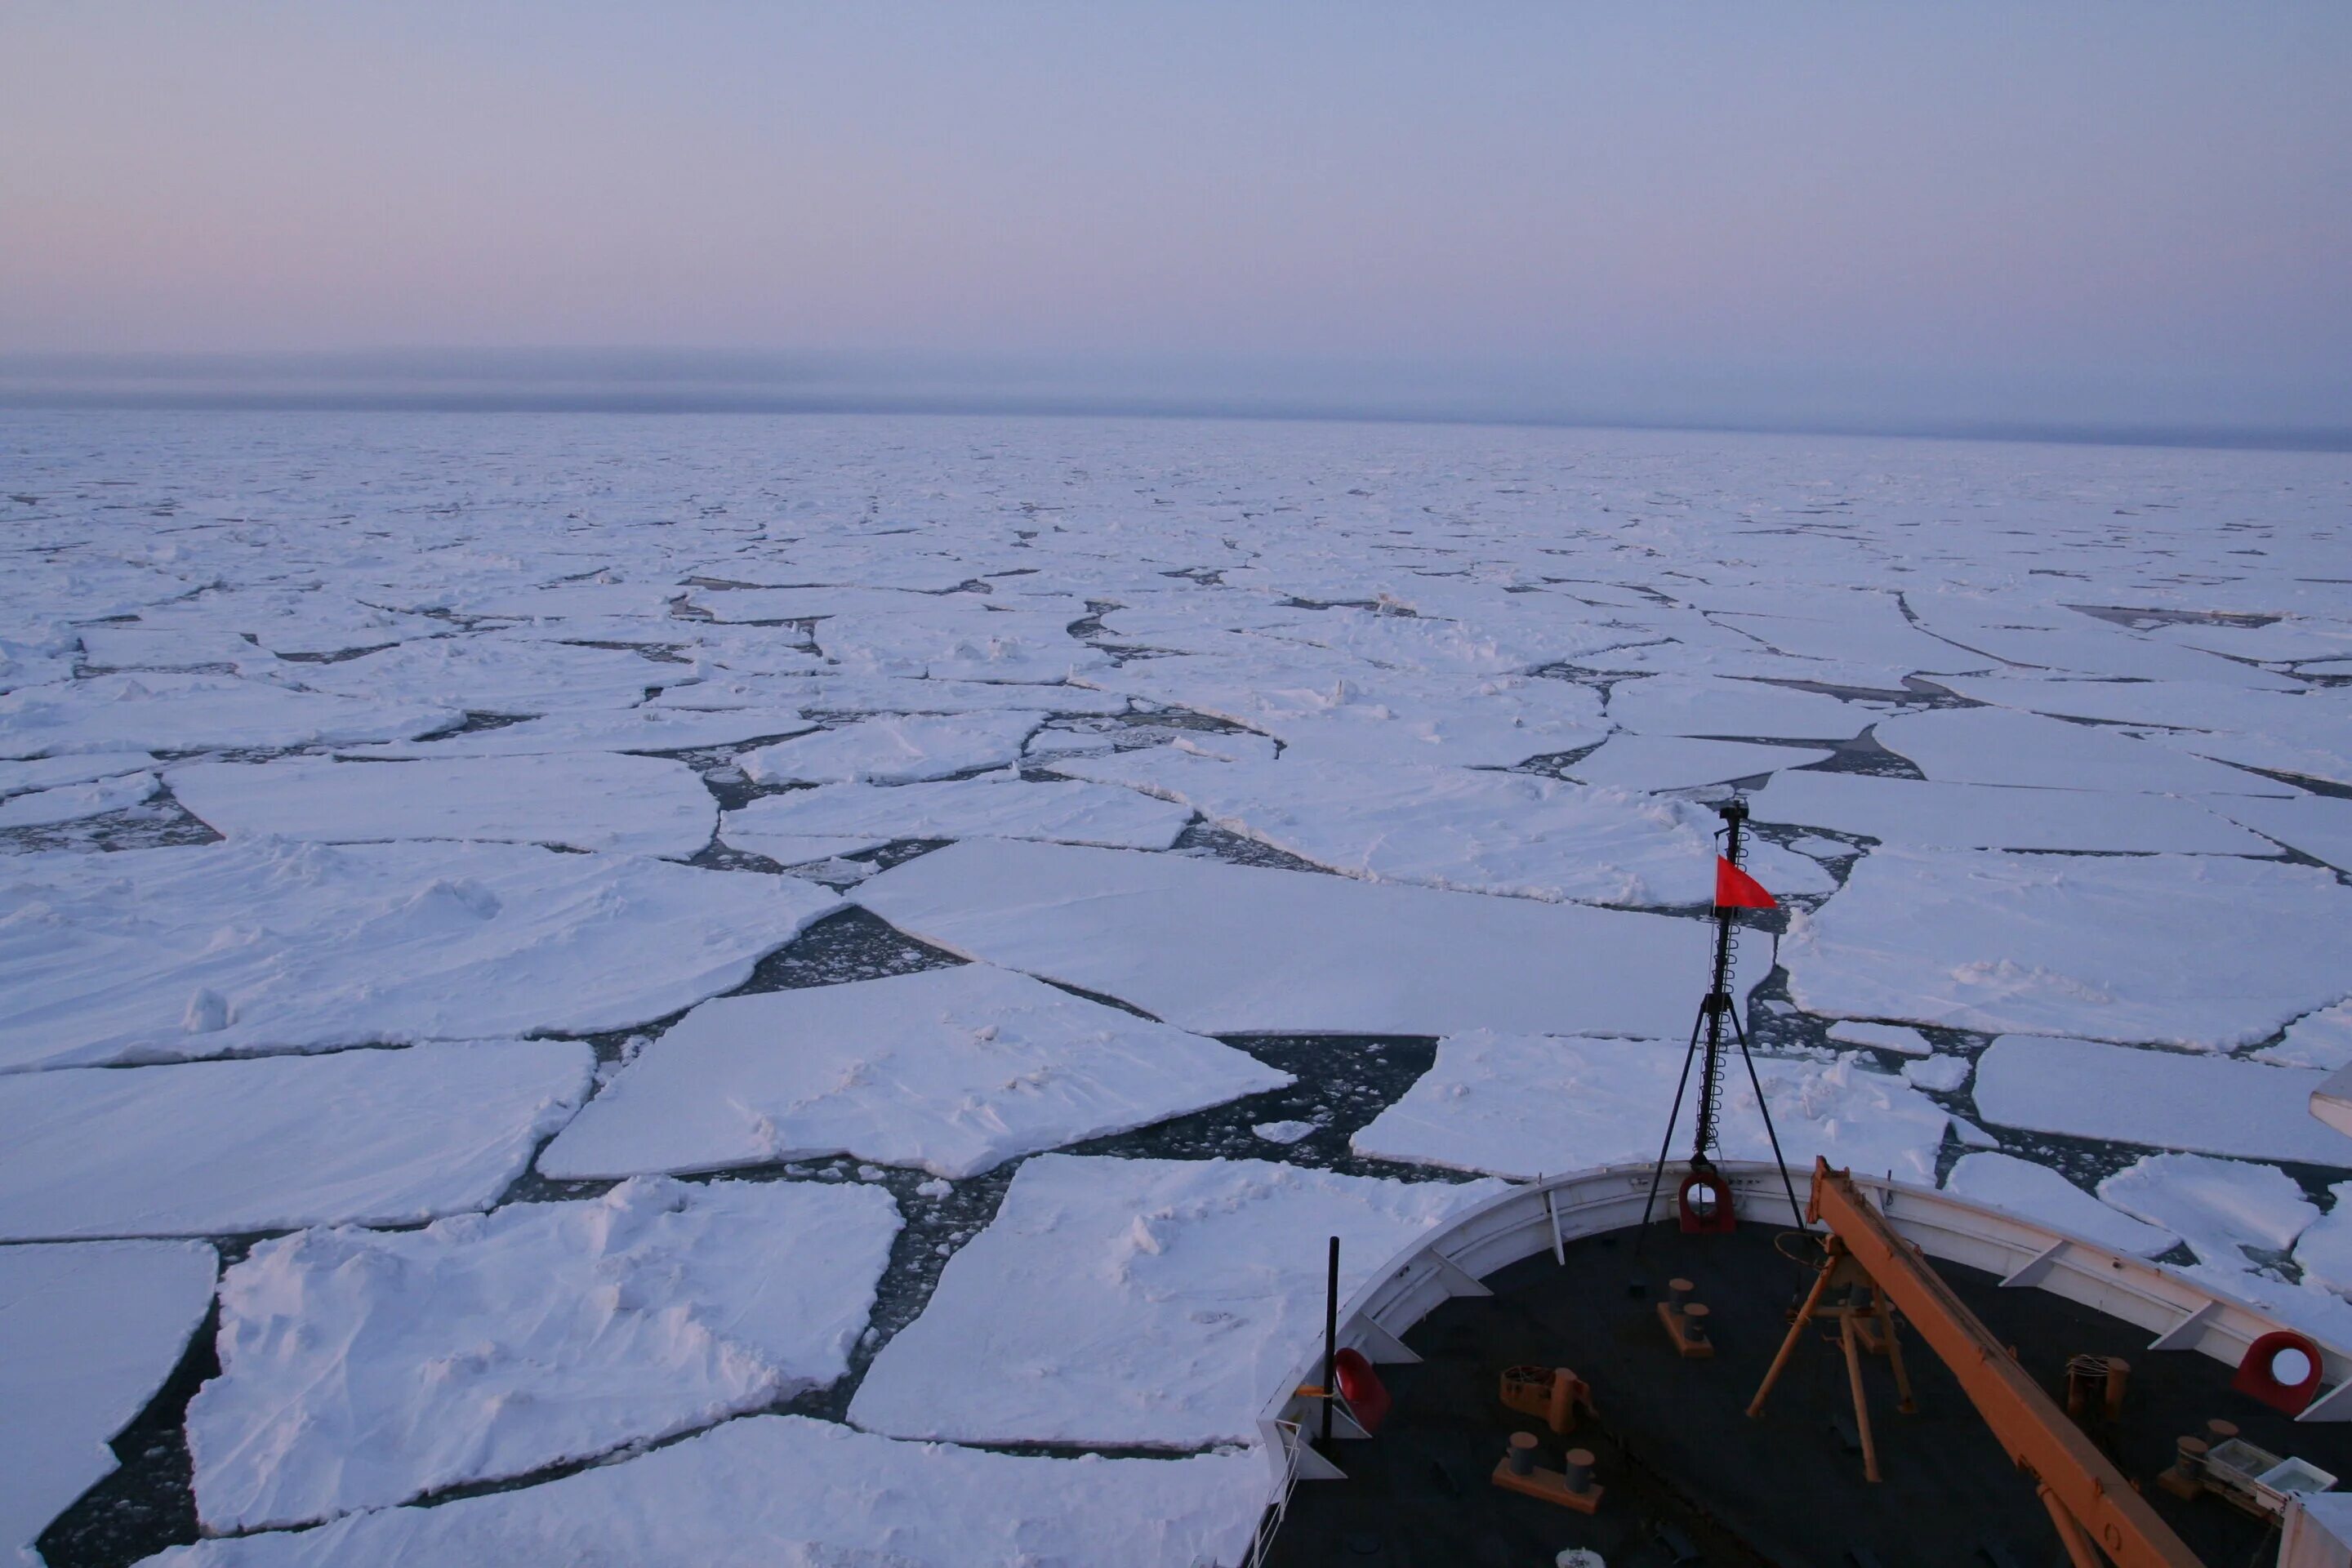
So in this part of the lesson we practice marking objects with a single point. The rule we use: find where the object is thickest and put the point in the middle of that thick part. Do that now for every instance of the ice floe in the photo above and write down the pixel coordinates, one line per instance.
(2320, 827)
(1475, 830)
(863, 815)
(363, 1368)
(2321, 1039)
(2324, 1251)
(1686, 705)
(784, 1491)
(953, 1070)
(647, 729)
(588, 800)
(156, 712)
(2222, 1208)
(158, 955)
(2207, 1104)
(1669, 761)
(2204, 951)
(383, 1137)
(1139, 1302)
(2042, 1194)
(895, 750)
(1897, 1037)
(1524, 1106)
(1995, 746)
(2001, 816)
(1220, 949)
(69, 802)
(87, 1332)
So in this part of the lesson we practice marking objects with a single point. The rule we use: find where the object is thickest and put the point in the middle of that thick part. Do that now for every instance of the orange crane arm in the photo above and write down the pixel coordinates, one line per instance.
(2074, 1475)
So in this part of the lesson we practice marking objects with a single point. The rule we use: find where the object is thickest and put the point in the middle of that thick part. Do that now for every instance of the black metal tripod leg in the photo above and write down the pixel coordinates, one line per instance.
(1658, 1171)
(1740, 1034)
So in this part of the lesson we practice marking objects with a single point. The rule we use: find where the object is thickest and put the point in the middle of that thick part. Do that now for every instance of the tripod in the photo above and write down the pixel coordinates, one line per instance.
(1713, 1010)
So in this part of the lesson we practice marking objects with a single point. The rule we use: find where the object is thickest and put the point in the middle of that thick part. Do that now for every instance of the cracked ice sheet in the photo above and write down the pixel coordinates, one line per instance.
(1669, 761)
(2197, 950)
(1221, 950)
(590, 800)
(2042, 1195)
(2207, 1104)
(1475, 830)
(192, 712)
(70, 803)
(784, 1491)
(1995, 746)
(161, 954)
(2003, 816)
(2321, 1039)
(951, 642)
(895, 750)
(88, 1333)
(959, 808)
(951, 1070)
(1143, 1302)
(838, 693)
(2318, 826)
(2323, 1252)
(379, 1137)
(1523, 1106)
(2220, 1207)
(1686, 705)
(497, 673)
(645, 729)
(360, 1369)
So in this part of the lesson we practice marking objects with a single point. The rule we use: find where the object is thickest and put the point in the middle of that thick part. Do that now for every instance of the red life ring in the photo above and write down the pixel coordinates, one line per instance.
(1361, 1387)
(1704, 1202)
(2282, 1369)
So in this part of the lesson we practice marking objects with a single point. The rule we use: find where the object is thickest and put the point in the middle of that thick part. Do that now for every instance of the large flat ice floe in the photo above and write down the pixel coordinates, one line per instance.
(2042, 1194)
(648, 729)
(1143, 1302)
(69, 803)
(2236, 1218)
(2209, 1105)
(1220, 949)
(152, 713)
(2320, 827)
(1470, 830)
(383, 1137)
(953, 1070)
(361, 1368)
(88, 1333)
(158, 955)
(1996, 746)
(1716, 708)
(895, 750)
(784, 1491)
(2204, 952)
(2001, 816)
(588, 800)
(1526, 1106)
(780, 826)
(1670, 761)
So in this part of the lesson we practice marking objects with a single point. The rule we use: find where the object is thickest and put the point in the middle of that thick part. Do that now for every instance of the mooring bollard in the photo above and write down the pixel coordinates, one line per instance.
(1523, 1453)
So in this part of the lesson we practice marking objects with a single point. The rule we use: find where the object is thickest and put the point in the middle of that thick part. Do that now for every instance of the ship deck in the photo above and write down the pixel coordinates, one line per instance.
(1690, 1480)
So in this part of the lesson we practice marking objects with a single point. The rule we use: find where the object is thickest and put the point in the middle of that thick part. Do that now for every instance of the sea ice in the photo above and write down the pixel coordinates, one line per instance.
(2042, 1194)
(2321, 1039)
(953, 1070)
(69, 803)
(155, 712)
(1669, 761)
(895, 750)
(380, 1137)
(2217, 1207)
(2320, 827)
(87, 1332)
(2204, 951)
(2000, 817)
(2209, 1104)
(364, 1368)
(647, 729)
(1220, 949)
(1995, 746)
(1524, 1106)
(1710, 707)
(586, 800)
(1883, 1036)
(2324, 1251)
(958, 808)
(49, 773)
(158, 954)
(784, 1491)
(500, 673)
(1474, 830)
(1943, 1074)
(1143, 1302)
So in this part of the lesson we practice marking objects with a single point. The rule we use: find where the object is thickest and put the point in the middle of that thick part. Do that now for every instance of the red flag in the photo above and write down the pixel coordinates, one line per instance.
(1736, 889)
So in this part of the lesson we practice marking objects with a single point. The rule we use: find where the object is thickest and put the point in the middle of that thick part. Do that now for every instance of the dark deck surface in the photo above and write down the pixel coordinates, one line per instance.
(1685, 1470)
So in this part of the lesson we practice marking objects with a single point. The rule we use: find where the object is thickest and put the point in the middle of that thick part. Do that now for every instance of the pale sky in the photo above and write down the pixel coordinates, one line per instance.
(2103, 210)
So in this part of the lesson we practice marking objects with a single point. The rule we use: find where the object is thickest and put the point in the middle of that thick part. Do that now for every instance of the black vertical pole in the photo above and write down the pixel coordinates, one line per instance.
(1330, 1339)
(1718, 999)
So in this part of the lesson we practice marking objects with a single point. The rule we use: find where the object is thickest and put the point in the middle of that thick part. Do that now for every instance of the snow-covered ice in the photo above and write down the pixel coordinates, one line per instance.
(647, 729)
(1523, 1106)
(1471, 829)
(2321, 1039)
(383, 1137)
(1628, 760)
(2222, 1208)
(68, 803)
(2319, 826)
(364, 1368)
(2200, 950)
(587, 800)
(779, 826)
(155, 712)
(2324, 1251)
(1712, 708)
(1220, 949)
(895, 750)
(1995, 746)
(2042, 1194)
(87, 1332)
(157, 954)
(1898, 1037)
(2001, 816)
(784, 1491)
(1943, 1074)
(2209, 1104)
(1140, 1302)
(953, 1070)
